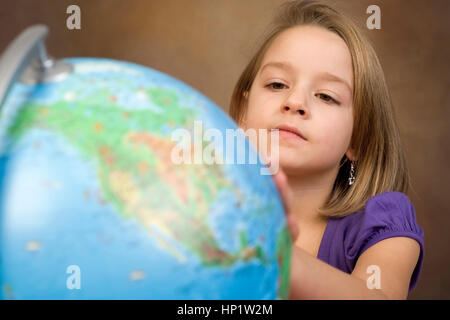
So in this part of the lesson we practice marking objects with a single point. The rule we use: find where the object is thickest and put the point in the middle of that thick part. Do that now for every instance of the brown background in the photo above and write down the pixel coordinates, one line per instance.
(207, 43)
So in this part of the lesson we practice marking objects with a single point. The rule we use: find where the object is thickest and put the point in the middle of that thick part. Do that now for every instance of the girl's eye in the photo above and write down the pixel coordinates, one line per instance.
(327, 98)
(276, 85)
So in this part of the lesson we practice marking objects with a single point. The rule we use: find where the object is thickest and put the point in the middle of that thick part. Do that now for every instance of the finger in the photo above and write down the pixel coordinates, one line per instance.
(283, 188)
(293, 227)
(285, 193)
(267, 160)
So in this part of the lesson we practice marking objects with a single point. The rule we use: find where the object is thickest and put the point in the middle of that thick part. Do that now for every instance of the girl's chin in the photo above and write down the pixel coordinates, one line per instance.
(289, 165)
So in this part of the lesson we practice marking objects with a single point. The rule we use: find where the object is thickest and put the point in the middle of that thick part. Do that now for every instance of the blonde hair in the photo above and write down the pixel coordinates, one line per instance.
(381, 163)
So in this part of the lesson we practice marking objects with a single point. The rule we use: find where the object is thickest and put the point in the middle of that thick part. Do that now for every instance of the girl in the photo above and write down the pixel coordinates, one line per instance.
(318, 81)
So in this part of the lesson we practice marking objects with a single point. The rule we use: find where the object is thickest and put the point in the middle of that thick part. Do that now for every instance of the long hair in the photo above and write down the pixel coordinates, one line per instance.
(381, 163)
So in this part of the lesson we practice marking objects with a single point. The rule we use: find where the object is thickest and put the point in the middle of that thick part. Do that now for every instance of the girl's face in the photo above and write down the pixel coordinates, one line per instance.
(305, 85)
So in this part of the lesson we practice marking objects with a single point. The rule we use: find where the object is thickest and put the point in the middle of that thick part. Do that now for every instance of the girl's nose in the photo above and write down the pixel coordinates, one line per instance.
(295, 103)
(300, 110)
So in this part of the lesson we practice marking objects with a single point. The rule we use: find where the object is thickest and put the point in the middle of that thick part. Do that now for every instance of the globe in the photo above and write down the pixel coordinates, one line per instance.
(93, 207)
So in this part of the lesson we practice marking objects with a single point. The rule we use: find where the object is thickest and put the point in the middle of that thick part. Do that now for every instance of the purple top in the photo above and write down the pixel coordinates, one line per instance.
(386, 215)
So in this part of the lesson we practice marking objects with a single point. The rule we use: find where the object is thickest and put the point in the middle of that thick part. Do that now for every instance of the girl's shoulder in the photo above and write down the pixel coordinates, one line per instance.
(390, 212)
(392, 208)
(386, 215)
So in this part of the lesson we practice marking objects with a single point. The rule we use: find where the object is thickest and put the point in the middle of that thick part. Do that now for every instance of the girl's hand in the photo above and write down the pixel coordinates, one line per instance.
(286, 196)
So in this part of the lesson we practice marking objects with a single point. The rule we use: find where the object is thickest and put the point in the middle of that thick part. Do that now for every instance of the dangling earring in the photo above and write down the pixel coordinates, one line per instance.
(351, 179)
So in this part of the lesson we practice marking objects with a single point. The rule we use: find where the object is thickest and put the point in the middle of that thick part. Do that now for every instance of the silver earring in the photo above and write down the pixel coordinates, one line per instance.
(351, 179)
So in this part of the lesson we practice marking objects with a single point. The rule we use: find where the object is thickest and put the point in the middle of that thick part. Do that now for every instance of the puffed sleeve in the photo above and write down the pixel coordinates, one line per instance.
(387, 215)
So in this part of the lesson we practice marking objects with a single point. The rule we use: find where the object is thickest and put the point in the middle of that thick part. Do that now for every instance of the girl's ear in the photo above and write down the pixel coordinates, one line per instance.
(245, 94)
(351, 154)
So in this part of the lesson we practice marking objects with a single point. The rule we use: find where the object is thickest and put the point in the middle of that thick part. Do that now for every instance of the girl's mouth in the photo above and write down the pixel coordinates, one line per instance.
(290, 132)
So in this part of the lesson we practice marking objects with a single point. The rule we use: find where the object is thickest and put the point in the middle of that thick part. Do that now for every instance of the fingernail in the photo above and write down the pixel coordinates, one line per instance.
(268, 160)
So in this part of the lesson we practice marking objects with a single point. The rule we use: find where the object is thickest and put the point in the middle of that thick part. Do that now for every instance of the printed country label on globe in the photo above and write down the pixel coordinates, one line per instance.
(88, 180)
